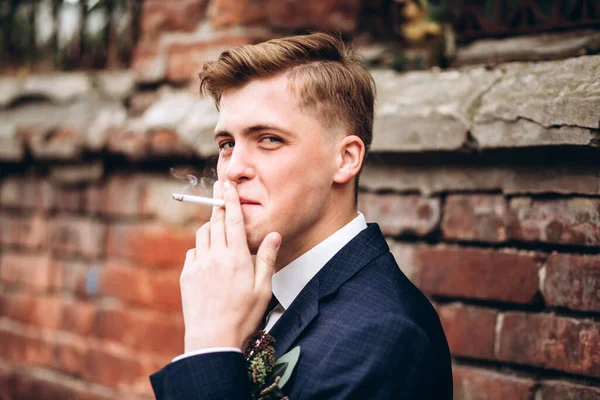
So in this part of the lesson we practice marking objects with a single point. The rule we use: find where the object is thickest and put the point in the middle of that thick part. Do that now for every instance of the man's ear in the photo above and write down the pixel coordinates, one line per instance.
(350, 158)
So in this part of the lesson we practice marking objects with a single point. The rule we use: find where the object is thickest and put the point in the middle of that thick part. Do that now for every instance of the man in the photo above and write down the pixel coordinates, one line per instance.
(295, 123)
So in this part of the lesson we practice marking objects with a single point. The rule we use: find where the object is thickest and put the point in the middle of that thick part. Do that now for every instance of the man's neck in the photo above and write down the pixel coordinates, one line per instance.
(325, 227)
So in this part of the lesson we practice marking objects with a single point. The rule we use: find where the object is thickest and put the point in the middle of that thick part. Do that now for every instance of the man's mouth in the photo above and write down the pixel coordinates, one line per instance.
(249, 202)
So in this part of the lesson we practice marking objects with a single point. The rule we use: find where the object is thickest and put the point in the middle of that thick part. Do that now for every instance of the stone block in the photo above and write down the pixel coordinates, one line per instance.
(193, 118)
(574, 221)
(469, 330)
(524, 133)
(58, 87)
(420, 111)
(549, 341)
(76, 174)
(401, 214)
(572, 281)
(546, 46)
(117, 85)
(12, 148)
(472, 383)
(537, 92)
(53, 143)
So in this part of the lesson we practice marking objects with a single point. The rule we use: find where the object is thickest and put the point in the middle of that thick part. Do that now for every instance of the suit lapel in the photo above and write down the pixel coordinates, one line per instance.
(352, 258)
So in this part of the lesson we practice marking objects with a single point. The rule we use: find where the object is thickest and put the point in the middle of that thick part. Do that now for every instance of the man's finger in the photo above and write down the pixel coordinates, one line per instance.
(235, 231)
(266, 256)
(217, 220)
(202, 239)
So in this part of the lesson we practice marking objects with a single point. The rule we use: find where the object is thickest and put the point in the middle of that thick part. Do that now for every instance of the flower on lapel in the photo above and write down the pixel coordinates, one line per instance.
(268, 376)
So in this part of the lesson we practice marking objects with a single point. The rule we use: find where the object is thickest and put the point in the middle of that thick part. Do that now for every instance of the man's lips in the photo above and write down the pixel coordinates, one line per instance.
(249, 202)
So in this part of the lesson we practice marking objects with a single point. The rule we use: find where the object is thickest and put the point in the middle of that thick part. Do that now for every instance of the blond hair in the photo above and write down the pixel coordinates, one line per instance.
(326, 76)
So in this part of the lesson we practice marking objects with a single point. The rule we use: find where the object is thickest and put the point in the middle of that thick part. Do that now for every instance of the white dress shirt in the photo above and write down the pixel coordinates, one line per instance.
(288, 282)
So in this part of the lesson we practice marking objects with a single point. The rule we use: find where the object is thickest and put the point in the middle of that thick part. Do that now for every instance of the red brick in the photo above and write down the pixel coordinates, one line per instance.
(69, 199)
(94, 199)
(475, 383)
(322, 15)
(17, 306)
(150, 244)
(33, 232)
(475, 218)
(26, 192)
(574, 221)
(41, 311)
(47, 312)
(118, 370)
(401, 214)
(125, 194)
(552, 342)
(502, 275)
(562, 390)
(158, 16)
(79, 317)
(25, 384)
(573, 281)
(158, 202)
(25, 349)
(75, 276)
(10, 226)
(70, 357)
(82, 236)
(185, 59)
(33, 272)
(149, 332)
(155, 289)
(469, 330)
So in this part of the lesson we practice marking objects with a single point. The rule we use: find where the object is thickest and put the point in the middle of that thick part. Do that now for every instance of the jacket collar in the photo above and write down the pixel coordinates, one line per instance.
(352, 258)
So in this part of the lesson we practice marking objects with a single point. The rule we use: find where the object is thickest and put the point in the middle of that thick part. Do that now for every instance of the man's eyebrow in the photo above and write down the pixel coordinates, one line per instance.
(252, 129)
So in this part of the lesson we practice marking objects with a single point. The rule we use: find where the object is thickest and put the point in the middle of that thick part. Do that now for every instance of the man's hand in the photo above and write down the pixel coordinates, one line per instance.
(224, 293)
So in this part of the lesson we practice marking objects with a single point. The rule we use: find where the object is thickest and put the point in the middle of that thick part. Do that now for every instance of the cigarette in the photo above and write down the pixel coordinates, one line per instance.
(199, 200)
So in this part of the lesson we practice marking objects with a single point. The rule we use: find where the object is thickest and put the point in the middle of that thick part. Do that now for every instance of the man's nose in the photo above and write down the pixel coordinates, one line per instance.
(240, 166)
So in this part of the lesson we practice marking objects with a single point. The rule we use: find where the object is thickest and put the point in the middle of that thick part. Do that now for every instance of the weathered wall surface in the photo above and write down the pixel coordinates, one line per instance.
(486, 182)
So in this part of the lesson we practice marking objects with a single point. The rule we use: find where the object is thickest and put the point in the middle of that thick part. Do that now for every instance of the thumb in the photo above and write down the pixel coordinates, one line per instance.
(265, 259)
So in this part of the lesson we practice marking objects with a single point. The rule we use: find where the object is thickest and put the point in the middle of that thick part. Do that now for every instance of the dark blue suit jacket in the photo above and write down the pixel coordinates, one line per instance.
(365, 332)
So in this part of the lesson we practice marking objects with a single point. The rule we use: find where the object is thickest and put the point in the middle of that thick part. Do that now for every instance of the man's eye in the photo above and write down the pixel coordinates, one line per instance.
(271, 139)
(226, 145)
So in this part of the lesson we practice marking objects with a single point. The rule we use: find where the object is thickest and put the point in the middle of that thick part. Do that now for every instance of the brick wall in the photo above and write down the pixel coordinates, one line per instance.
(485, 180)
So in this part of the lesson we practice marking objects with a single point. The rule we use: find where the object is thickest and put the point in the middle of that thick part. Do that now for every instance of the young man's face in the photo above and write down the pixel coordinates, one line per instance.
(282, 159)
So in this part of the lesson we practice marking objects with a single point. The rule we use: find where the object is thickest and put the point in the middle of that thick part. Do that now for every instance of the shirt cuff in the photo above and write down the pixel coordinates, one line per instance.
(206, 351)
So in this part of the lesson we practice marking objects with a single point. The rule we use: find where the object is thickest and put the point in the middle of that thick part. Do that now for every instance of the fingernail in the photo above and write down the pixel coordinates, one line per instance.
(227, 185)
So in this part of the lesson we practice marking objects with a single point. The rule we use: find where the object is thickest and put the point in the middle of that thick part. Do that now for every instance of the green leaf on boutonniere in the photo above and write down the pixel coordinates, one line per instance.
(284, 367)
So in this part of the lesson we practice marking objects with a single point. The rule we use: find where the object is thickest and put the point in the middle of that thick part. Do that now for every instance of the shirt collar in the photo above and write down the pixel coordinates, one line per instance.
(291, 279)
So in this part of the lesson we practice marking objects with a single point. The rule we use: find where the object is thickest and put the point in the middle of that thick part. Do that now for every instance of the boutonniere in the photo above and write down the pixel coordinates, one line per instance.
(268, 376)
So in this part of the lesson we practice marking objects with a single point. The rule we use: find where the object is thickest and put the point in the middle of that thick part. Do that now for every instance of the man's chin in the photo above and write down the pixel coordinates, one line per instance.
(254, 242)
